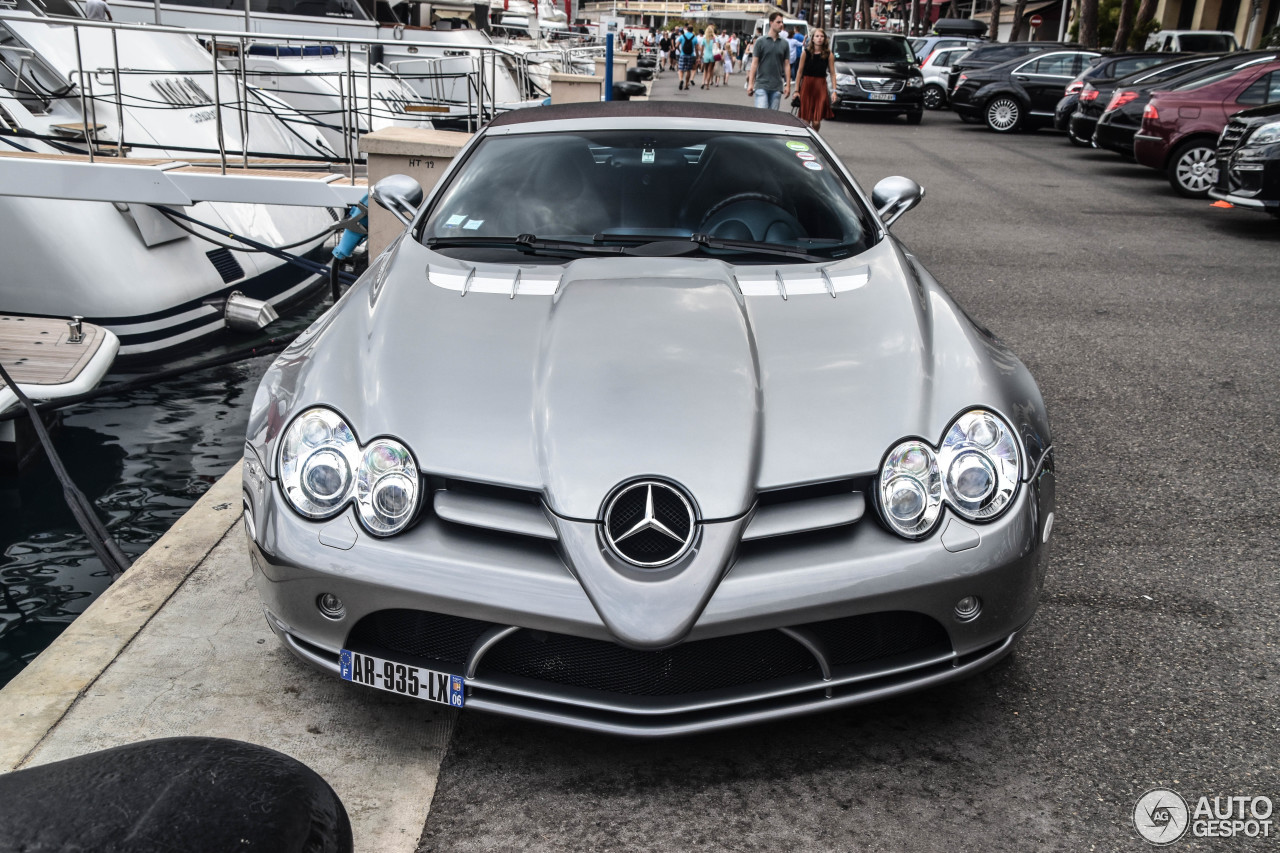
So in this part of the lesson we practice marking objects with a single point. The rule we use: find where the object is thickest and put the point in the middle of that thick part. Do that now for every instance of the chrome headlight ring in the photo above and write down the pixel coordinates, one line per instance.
(323, 468)
(976, 471)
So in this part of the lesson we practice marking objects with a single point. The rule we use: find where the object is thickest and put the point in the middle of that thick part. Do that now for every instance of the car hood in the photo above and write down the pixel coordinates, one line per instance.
(888, 69)
(647, 367)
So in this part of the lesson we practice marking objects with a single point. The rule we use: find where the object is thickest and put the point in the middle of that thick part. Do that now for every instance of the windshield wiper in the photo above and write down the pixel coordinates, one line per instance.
(650, 245)
(527, 244)
(710, 242)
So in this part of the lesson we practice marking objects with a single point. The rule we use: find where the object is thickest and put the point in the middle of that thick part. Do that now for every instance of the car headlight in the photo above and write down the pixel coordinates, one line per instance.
(915, 82)
(386, 487)
(1265, 135)
(975, 471)
(846, 79)
(322, 467)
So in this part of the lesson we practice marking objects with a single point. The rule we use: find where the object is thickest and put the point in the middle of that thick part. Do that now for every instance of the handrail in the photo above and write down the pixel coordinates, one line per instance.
(481, 73)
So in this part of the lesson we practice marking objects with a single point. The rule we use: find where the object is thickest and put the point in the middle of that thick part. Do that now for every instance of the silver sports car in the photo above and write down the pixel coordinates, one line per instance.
(646, 424)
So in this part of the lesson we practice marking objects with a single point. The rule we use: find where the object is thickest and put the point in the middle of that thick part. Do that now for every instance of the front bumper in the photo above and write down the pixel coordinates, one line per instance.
(854, 99)
(1251, 182)
(862, 614)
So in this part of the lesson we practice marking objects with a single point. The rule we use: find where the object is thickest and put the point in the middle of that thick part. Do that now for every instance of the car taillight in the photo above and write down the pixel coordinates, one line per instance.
(1119, 99)
(1073, 87)
(1150, 113)
(1089, 94)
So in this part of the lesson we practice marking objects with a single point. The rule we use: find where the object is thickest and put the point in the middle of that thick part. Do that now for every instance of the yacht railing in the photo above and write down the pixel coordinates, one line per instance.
(479, 69)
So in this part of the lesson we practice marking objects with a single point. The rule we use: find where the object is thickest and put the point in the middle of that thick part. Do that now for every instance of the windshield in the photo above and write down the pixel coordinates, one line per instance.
(1207, 42)
(631, 188)
(858, 48)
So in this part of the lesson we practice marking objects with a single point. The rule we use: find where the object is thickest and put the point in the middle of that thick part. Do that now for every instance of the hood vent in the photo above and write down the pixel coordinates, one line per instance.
(226, 265)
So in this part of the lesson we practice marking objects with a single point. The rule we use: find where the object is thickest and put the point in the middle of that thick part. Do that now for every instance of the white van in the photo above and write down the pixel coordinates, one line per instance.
(791, 25)
(1192, 41)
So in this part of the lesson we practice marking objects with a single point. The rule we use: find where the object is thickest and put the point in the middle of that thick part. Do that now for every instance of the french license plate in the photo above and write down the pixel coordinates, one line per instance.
(882, 96)
(402, 678)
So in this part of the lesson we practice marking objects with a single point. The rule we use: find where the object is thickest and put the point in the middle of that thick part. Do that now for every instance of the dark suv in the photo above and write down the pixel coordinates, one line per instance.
(1018, 94)
(877, 72)
(1248, 158)
(998, 54)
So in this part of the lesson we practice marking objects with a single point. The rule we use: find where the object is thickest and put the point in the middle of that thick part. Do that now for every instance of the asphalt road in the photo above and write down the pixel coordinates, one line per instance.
(1150, 323)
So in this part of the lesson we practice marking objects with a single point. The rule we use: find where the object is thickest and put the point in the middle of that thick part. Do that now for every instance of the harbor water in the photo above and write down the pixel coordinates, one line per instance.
(142, 458)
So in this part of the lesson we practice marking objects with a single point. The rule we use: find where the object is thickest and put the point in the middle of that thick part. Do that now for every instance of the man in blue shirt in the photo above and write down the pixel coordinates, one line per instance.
(797, 47)
(770, 76)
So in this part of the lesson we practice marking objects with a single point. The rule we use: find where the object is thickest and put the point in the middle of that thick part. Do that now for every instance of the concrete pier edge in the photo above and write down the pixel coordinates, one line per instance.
(37, 699)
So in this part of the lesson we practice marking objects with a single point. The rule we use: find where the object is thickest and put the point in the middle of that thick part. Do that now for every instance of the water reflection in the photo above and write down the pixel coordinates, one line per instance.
(142, 459)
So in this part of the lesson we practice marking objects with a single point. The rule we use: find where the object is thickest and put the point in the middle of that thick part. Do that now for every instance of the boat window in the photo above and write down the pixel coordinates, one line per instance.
(627, 188)
(309, 8)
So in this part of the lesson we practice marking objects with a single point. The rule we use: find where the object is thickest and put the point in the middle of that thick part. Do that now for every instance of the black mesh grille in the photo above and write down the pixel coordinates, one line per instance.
(687, 668)
(855, 639)
(412, 632)
(226, 265)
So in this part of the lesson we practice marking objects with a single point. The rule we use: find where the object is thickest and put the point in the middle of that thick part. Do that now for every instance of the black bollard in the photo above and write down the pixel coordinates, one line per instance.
(195, 794)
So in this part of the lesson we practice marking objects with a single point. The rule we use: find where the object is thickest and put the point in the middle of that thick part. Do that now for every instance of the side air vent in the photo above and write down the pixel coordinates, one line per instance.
(226, 265)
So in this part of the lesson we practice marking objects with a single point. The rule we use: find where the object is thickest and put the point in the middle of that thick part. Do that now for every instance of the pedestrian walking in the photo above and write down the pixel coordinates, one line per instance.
(817, 63)
(769, 79)
(708, 56)
(687, 48)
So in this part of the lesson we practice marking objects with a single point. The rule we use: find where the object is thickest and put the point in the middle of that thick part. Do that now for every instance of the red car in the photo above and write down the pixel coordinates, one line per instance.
(1180, 128)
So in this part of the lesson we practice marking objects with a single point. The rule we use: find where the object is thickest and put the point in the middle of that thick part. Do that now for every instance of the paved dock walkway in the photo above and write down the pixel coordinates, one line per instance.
(179, 646)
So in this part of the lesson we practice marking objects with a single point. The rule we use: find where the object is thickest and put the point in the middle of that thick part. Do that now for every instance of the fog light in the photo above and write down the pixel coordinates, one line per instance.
(968, 608)
(331, 606)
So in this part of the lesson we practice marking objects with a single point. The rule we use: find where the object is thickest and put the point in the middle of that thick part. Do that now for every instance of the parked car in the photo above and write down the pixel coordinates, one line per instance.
(935, 68)
(1096, 95)
(1102, 70)
(1248, 160)
(1020, 94)
(922, 46)
(1192, 41)
(996, 54)
(615, 354)
(1180, 128)
(876, 72)
(1122, 117)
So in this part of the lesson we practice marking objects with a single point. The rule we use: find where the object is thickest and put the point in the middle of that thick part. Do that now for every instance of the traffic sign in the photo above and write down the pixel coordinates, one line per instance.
(883, 20)
(1036, 20)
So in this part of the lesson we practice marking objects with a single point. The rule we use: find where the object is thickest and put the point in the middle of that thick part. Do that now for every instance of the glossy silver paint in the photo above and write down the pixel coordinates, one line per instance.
(604, 372)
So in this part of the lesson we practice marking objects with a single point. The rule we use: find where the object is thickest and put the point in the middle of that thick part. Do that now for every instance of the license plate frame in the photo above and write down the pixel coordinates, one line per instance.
(429, 685)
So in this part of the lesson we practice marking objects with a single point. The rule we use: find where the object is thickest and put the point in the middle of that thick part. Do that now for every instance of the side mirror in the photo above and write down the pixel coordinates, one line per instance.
(400, 194)
(893, 197)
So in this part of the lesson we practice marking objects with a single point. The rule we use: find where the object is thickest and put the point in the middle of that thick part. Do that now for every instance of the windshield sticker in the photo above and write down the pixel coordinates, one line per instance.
(647, 155)
(805, 155)
(455, 221)
(816, 167)
(473, 224)
(797, 146)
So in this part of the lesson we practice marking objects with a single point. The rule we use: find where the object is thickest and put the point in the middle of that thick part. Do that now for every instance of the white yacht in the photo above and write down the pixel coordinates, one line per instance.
(127, 267)
(436, 49)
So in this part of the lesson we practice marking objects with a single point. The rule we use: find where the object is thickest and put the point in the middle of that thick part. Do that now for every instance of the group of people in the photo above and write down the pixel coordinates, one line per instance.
(777, 65)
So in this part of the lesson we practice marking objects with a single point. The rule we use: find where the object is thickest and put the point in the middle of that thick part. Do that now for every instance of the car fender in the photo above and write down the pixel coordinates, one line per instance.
(987, 93)
(1196, 133)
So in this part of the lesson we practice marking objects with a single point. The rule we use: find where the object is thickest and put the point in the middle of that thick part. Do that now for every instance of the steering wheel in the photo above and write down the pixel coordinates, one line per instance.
(737, 197)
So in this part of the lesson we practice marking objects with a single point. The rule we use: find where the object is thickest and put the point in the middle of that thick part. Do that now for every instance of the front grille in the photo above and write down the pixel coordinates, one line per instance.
(687, 668)
(1230, 136)
(418, 633)
(857, 639)
(879, 84)
(226, 265)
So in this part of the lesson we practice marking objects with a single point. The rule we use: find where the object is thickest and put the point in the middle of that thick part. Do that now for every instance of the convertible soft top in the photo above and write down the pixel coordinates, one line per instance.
(647, 109)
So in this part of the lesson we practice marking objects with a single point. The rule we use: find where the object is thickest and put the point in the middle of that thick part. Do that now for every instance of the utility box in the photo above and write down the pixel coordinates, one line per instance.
(576, 88)
(619, 67)
(417, 152)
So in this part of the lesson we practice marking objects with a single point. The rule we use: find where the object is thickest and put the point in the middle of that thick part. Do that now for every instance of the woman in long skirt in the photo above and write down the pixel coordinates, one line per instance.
(817, 63)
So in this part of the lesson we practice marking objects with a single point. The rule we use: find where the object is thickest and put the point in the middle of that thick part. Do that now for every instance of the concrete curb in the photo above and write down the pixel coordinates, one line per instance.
(34, 702)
